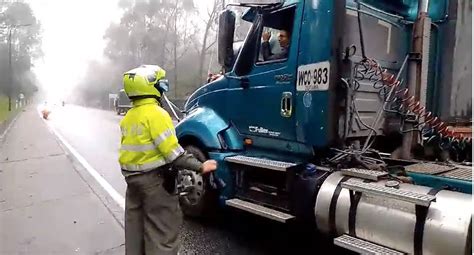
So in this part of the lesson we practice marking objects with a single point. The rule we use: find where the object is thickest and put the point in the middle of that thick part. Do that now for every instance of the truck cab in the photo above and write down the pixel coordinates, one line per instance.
(280, 127)
(122, 103)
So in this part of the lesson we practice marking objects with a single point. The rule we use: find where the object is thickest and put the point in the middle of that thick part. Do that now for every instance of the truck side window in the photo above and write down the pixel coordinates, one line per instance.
(276, 36)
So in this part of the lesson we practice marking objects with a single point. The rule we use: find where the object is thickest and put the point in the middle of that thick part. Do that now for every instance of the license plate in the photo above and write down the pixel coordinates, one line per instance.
(313, 77)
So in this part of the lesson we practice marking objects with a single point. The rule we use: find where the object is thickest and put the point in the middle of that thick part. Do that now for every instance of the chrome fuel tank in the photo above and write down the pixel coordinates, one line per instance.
(442, 227)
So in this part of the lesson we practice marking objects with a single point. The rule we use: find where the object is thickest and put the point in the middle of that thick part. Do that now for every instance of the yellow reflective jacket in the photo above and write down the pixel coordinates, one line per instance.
(148, 138)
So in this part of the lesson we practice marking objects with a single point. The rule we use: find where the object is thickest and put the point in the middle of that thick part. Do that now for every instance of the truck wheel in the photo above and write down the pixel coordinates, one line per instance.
(202, 198)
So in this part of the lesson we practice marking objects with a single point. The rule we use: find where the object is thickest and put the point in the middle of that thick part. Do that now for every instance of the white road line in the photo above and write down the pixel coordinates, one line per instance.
(107, 187)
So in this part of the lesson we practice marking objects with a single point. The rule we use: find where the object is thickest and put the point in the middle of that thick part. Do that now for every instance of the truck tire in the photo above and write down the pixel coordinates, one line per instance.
(203, 198)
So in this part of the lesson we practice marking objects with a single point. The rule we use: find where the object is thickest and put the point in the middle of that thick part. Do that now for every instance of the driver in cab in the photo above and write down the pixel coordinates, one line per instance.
(283, 40)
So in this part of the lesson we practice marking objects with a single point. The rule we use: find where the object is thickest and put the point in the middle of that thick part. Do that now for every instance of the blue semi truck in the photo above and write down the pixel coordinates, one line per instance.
(122, 103)
(338, 132)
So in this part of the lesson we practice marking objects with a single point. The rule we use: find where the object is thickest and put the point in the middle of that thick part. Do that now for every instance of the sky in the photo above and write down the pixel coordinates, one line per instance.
(72, 36)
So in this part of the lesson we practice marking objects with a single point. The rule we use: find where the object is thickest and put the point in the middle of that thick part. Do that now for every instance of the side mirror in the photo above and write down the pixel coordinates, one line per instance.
(350, 51)
(164, 85)
(246, 58)
(225, 40)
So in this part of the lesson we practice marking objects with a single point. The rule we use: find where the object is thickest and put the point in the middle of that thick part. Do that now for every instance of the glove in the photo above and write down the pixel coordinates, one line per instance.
(169, 183)
(216, 182)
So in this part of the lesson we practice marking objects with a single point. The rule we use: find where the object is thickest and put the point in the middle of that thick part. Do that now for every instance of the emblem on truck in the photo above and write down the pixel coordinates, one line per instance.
(262, 130)
(283, 78)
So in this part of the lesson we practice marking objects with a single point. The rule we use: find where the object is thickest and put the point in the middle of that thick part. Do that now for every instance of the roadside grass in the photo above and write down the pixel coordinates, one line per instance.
(4, 113)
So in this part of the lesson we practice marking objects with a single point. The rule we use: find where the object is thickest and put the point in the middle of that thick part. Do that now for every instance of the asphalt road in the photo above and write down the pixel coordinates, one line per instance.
(95, 135)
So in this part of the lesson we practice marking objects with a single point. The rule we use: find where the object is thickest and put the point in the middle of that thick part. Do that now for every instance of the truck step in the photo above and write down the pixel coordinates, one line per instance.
(261, 162)
(364, 173)
(259, 210)
(363, 247)
(404, 195)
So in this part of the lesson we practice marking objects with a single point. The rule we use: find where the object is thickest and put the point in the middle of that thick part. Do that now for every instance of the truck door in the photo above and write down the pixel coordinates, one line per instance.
(262, 101)
(317, 72)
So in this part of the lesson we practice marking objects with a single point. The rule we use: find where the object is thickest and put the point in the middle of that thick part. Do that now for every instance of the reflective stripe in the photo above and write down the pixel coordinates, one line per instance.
(133, 94)
(138, 148)
(174, 154)
(143, 167)
(163, 136)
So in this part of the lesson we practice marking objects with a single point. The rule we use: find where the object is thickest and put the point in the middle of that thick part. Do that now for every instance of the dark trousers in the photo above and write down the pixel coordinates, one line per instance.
(152, 216)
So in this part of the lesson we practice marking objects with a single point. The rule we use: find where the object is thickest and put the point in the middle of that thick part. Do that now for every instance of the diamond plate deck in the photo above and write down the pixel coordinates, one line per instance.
(261, 162)
(259, 210)
(363, 247)
(404, 195)
(363, 173)
(428, 168)
(460, 174)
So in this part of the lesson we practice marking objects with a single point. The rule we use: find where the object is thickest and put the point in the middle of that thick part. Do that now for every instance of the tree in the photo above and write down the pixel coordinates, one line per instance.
(183, 35)
(149, 32)
(21, 30)
(169, 33)
(210, 24)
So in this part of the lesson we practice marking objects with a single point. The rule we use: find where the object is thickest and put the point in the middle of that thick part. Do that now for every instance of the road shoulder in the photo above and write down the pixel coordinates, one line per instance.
(48, 204)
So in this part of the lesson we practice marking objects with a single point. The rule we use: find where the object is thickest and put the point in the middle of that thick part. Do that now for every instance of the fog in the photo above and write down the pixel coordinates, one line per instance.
(86, 45)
